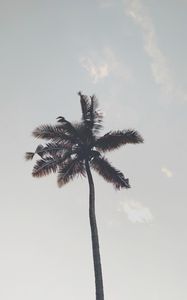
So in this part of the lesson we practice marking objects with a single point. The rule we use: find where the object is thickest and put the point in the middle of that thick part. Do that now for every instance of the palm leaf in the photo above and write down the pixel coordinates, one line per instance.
(109, 173)
(85, 106)
(91, 117)
(45, 166)
(69, 169)
(53, 149)
(115, 139)
(29, 155)
(85, 134)
(54, 133)
(95, 114)
(68, 128)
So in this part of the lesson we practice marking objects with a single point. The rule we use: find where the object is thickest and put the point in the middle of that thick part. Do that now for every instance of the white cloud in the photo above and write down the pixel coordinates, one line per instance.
(96, 72)
(167, 172)
(100, 66)
(158, 62)
(136, 211)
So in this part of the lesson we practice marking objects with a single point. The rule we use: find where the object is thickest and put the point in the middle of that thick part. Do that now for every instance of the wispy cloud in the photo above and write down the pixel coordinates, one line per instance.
(168, 173)
(159, 65)
(136, 211)
(104, 64)
(96, 71)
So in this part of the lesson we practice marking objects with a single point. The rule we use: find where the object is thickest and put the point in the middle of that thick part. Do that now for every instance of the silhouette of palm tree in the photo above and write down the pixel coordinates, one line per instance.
(72, 149)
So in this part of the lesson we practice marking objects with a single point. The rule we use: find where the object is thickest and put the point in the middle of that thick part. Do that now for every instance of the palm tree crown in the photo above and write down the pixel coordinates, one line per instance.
(70, 145)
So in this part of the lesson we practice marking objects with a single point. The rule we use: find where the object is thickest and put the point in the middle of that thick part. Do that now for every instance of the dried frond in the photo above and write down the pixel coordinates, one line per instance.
(69, 169)
(109, 173)
(29, 155)
(115, 139)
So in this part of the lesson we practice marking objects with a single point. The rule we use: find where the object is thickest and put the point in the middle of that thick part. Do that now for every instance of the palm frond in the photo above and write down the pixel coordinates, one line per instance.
(51, 163)
(96, 115)
(53, 149)
(42, 151)
(109, 173)
(85, 106)
(45, 166)
(54, 133)
(85, 134)
(29, 155)
(91, 117)
(69, 169)
(115, 139)
(68, 128)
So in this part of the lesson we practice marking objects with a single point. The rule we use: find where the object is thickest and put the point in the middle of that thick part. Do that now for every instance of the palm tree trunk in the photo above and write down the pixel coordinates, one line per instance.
(94, 236)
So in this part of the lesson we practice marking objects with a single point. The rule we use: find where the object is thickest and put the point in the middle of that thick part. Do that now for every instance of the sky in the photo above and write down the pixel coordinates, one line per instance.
(132, 55)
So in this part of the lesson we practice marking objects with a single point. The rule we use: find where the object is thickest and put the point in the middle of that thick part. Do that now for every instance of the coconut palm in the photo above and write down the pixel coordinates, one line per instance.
(73, 149)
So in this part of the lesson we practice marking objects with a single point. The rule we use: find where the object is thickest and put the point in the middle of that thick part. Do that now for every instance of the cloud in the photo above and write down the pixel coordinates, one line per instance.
(96, 72)
(99, 66)
(158, 63)
(136, 211)
(167, 172)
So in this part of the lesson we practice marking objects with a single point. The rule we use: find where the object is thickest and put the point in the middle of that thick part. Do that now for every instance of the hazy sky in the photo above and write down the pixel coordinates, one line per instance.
(132, 55)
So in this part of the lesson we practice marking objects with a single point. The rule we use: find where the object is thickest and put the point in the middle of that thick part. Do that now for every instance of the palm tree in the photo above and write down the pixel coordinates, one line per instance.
(74, 148)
